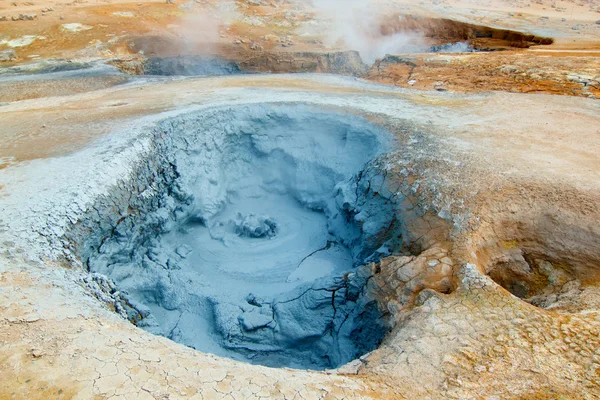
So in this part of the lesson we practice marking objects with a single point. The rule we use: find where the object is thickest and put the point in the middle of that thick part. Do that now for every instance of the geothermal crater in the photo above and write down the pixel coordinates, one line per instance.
(243, 233)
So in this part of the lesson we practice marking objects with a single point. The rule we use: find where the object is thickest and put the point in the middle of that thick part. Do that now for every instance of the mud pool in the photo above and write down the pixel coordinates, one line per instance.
(246, 232)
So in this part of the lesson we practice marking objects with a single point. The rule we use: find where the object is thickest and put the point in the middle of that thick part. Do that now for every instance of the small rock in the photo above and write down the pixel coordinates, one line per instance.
(439, 86)
(255, 46)
(36, 353)
(3, 18)
(412, 82)
(578, 79)
(27, 17)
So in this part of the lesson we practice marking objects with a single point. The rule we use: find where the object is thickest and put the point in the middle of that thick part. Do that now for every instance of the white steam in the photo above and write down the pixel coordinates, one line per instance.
(357, 25)
(201, 26)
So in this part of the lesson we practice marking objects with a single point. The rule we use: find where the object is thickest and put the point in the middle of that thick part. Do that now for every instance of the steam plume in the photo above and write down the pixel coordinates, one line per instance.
(357, 23)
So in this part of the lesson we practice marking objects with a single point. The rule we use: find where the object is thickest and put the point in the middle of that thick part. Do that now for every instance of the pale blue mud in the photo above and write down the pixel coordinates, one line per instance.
(245, 233)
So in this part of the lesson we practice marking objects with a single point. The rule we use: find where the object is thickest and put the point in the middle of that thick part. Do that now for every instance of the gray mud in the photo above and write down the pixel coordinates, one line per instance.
(244, 234)
(190, 66)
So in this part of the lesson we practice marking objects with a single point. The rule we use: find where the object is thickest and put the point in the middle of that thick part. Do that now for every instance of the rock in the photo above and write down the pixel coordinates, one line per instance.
(598, 22)
(393, 60)
(182, 65)
(27, 17)
(409, 271)
(255, 46)
(582, 79)
(344, 63)
(37, 353)
(3, 18)
(8, 55)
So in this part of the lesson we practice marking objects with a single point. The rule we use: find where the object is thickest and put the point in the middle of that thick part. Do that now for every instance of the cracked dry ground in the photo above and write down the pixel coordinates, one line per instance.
(495, 201)
(477, 341)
